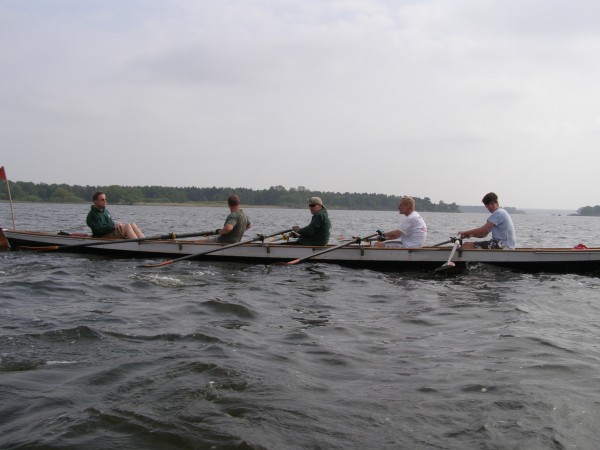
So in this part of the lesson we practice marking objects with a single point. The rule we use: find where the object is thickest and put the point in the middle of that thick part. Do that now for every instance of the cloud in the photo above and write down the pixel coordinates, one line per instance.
(445, 99)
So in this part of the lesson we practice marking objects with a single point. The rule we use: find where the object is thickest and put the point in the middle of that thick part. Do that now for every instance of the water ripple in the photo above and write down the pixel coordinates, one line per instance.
(97, 353)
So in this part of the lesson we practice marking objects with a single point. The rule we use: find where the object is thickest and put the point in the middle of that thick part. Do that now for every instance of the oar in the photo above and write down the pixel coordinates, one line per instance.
(450, 264)
(442, 243)
(117, 241)
(196, 255)
(327, 250)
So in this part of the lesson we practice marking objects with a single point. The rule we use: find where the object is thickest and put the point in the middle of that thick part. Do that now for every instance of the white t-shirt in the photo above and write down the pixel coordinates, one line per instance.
(504, 229)
(414, 231)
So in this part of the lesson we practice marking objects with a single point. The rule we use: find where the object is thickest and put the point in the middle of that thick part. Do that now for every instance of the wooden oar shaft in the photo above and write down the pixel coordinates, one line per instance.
(327, 250)
(214, 250)
(118, 241)
(450, 263)
(453, 252)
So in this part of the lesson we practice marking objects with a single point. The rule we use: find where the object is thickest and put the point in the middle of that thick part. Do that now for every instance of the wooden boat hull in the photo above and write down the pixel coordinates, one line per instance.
(356, 255)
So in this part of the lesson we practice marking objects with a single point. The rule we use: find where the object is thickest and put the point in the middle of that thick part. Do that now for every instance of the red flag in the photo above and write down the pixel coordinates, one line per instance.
(2, 174)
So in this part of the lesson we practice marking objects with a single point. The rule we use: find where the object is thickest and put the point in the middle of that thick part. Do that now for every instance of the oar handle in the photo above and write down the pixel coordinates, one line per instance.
(327, 250)
(260, 237)
(187, 235)
(171, 235)
(451, 240)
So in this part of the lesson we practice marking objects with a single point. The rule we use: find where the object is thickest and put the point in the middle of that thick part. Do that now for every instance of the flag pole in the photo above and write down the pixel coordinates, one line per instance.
(12, 213)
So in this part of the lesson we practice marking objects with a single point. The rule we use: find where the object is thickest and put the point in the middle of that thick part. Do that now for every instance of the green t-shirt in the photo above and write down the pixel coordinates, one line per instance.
(100, 221)
(317, 231)
(240, 222)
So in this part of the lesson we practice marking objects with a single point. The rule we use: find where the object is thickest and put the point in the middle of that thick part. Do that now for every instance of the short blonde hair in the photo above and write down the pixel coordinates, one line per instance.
(406, 199)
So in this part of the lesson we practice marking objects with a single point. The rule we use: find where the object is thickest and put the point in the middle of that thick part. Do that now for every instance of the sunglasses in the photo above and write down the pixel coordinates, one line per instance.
(311, 205)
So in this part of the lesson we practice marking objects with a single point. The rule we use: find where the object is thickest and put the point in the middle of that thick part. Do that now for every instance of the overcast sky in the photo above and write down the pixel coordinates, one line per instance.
(446, 99)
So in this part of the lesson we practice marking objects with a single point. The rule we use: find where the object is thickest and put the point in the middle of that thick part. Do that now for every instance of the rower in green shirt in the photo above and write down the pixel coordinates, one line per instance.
(318, 230)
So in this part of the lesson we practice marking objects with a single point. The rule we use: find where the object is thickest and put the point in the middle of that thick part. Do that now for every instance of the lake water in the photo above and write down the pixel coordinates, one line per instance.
(97, 353)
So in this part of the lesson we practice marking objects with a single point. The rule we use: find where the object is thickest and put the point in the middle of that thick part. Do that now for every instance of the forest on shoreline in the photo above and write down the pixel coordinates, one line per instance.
(275, 196)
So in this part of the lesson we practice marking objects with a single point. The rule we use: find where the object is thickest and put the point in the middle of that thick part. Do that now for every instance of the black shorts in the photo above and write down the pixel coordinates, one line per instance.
(492, 244)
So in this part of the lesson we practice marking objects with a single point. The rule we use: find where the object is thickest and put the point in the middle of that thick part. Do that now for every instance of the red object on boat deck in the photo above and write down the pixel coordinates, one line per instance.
(3, 241)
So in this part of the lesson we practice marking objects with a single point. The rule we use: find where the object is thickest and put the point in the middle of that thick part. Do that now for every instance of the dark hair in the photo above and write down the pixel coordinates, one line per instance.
(96, 195)
(489, 198)
(233, 200)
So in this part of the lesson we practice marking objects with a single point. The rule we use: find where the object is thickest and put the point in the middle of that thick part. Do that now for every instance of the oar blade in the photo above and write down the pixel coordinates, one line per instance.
(291, 263)
(446, 266)
(160, 264)
(39, 249)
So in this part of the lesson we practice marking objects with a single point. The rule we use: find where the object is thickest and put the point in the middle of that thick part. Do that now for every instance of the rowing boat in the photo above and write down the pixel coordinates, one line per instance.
(362, 254)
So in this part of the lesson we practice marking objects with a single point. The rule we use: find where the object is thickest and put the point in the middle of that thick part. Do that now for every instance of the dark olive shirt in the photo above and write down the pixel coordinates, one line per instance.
(317, 231)
(100, 221)
(240, 222)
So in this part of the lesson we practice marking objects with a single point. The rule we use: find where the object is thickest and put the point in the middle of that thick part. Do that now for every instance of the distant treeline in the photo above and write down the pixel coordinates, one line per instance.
(589, 211)
(274, 196)
(483, 209)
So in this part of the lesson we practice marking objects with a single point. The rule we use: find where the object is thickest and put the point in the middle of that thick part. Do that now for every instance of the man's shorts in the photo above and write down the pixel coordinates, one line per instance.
(115, 234)
(492, 244)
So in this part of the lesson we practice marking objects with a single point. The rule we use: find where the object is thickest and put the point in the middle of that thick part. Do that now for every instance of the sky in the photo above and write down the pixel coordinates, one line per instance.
(445, 99)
